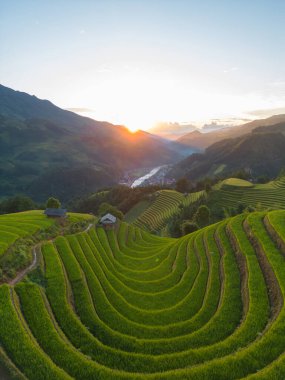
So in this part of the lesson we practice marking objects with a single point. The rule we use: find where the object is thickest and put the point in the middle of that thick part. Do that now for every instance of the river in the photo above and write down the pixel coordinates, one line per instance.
(150, 174)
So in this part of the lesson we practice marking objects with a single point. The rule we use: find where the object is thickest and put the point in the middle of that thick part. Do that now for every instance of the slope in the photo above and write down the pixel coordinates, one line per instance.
(124, 304)
(261, 152)
(45, 150)
(201, 140)
(231, 192)
(153, 215)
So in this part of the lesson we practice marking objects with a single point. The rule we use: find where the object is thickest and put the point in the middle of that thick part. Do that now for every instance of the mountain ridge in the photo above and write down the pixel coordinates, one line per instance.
(197, 139)
(40, 143)
(260, 152)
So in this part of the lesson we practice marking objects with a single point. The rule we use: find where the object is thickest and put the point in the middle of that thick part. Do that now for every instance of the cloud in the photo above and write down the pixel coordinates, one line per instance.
(231, 120)
(230, 70)
(267, 112)
(172, 130)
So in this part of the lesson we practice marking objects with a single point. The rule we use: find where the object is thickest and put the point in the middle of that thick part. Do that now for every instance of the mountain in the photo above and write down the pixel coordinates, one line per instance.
(45, 150)
(262, 152)
(200, 140)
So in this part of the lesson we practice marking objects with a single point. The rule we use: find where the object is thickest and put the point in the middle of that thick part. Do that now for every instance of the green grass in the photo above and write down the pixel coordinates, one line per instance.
(236, 182)
(125, 304)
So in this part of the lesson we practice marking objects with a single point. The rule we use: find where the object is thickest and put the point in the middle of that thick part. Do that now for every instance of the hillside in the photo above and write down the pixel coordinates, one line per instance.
(230, 193)
(152, 215)
(124, 304)
(261, 152)
(201, 140)
(21, 231)
(45, 150)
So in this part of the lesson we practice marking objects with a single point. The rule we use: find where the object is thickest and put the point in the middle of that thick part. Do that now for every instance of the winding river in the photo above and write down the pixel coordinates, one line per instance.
(140, 180)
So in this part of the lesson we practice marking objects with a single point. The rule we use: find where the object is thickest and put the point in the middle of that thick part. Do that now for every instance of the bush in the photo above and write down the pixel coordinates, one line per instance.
(17, 204)
(202, 216)
(182, 185)
(53, 203)
(188, 226)
(106, 208)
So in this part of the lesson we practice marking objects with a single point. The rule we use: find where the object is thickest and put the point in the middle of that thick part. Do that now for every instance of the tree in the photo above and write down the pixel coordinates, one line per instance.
(17, 204)
(263, 179)
(174, 226)
(208, 187)
(281, 173)
(202, 216)
(241, 174)
(53, 203)
(106, 208)
(240, 208)
(188, 226)
(182, 185)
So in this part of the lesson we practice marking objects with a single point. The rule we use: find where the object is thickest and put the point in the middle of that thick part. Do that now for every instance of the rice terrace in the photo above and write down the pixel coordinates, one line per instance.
(125, 304)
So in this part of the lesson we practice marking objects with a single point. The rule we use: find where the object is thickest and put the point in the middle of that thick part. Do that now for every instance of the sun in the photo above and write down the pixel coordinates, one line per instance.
(136, 121)
(132, 128)
(131, 99)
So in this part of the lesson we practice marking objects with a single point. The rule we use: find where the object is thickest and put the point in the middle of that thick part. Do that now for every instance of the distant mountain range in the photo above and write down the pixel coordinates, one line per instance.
(45, 150)
(259, 148)
(201, 140)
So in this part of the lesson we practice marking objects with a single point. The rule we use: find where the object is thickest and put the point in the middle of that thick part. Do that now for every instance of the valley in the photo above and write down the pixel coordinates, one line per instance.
(185, 282)
(46, 150)
(147, 177)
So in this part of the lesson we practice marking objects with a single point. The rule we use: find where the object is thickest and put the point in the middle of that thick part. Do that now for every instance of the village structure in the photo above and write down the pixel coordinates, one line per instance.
(107, 221)
(55, 212)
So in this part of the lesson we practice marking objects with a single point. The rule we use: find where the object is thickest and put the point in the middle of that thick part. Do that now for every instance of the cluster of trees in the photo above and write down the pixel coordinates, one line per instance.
(106, 208)
(21, 203)
(193, 217)
(183, 185)
(121, 197)
(17, 204)
(189, 219)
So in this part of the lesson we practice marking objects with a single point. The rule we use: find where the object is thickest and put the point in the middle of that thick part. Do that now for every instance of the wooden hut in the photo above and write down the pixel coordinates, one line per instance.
(108, 221)
(55, 212)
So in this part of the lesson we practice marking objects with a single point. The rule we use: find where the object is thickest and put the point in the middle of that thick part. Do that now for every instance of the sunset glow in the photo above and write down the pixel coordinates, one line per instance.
(137, 63)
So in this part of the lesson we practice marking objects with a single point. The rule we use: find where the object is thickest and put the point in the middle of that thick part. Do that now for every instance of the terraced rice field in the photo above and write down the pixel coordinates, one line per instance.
(16, 226)
(165, 205)
(229, 193)
(125, 304)
(24, 224)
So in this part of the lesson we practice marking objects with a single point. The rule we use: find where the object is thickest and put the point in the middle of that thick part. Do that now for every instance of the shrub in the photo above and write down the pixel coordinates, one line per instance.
(188, 226)
(53, 203)
(202, 216)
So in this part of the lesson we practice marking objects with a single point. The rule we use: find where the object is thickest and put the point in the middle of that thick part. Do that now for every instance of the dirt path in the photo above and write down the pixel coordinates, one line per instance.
(34, 263)
(23, 273)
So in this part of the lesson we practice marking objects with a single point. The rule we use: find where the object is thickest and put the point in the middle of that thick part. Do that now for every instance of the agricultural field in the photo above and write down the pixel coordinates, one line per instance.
(125, 304)
(154, 215)
(20, 225)
(232, 191)
(20, 232)
(27, 223)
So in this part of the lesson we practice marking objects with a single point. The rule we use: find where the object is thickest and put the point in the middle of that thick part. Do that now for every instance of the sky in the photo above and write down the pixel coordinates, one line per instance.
(140, 62)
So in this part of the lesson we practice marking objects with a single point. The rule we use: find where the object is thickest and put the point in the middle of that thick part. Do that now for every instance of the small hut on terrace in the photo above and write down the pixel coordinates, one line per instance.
(108, 221)
(55, 212)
